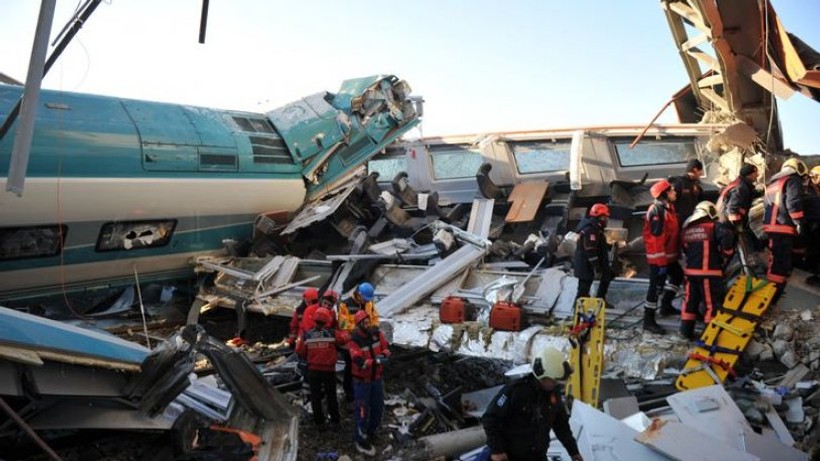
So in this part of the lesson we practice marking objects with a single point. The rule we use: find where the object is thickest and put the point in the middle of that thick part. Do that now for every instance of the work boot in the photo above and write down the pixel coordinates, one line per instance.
(366, 448)
(649, 323)
(666, 304)
(687, 329)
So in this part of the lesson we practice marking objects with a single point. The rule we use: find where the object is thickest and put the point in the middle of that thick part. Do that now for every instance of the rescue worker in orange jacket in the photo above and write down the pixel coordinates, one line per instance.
(688, 189)
(369, 352)
(783, 220)
(708, 246)
(735, 201)
(661, 236)
(317, 346)
(309, 298)
(360, 301)
(592, 252)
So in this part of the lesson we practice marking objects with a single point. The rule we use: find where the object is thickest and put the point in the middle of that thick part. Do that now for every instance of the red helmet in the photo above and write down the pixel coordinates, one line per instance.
(599, 209)
(322, 316)
(310, 296)
(330, 294)
(360, 316)
(659, 188)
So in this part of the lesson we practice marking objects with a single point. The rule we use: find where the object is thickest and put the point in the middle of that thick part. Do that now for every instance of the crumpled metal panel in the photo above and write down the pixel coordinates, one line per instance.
(601, 437)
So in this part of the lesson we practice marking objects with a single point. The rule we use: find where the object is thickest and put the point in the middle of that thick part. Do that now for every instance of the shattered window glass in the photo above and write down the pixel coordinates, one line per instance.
(655, 152)
(31, 242)
(135, 235)
(387, 167)
(454, 161)
(541, 156)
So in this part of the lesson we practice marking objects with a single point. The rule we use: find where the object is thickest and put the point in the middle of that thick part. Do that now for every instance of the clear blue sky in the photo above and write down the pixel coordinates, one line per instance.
(481, 65)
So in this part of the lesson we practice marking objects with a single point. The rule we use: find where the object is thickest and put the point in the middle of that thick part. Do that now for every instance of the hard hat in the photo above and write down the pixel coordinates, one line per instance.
(330, 294)
(365, 291)
(796, 165)
(310, 296)
(815, 171)
(659, 188)
(322, 315)
(705, 208)
(360, 316)
(550, 363)
(599, 209)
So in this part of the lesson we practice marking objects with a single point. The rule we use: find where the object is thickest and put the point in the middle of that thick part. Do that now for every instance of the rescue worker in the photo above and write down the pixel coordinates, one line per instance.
(708, 246)
(812, 210)
(688, 189)
(519, 418)
(783, 220)
(736, 198)
(369, 352)
(309, 298)
(317, 346)
(592, 252)
(360, 300)
(660, 234)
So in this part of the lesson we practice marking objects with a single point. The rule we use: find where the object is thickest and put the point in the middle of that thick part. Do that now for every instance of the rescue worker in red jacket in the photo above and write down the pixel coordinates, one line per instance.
(328, 301)
(661, 236)
(309, 298)
(360, 301)
(688, 189)
(369, 352)
(783, 220)
(592, 252)
(519, 418)
(317, 346)
(708, 246)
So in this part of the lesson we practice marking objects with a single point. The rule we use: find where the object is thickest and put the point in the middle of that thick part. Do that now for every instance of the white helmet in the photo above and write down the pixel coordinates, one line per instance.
(550, 363)
(702, 210)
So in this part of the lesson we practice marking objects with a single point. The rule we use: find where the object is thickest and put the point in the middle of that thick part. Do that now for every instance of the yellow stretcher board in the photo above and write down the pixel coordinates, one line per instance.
(727, 335)
(587, 352)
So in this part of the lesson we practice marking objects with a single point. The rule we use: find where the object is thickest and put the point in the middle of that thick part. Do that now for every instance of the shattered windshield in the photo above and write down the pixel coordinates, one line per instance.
(387, 167)
(655, 152)
(455, 161)
(540, 156)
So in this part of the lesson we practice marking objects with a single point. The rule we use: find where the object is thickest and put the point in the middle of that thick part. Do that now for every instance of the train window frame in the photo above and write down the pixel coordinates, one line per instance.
(564, 144)
(399, 164)
(55, 248)
(105, 238)
(618, 143)
(465, 150)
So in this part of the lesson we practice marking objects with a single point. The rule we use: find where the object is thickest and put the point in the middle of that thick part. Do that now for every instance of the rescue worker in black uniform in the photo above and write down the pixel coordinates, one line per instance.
(708, 246)
(519, 418)
(783, 221)
(812, 210)
(592, 252)
(688, 189)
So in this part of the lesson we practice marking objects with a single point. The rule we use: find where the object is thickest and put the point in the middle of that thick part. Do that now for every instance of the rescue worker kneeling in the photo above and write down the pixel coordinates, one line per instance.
(318, 347)
(519, 418)
(708, 246)
(369, 352)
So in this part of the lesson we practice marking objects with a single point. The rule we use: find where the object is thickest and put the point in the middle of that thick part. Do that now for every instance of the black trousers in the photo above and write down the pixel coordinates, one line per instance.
(347, 376)
(658, 282)
(323, 387)
(584, 286)
(781, 247)
(708, 291)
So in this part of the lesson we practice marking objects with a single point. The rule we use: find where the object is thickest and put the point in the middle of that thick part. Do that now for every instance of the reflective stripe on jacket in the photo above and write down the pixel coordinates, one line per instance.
(708, 245)
(365, 348)
(784, 205)
(348, 309)
(660, 233)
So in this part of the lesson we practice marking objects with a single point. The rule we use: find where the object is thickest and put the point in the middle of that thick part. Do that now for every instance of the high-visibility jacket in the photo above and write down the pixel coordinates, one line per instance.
(707, 246)
(366, 347)
(309, 318)
(660, 233)
(348, 309)
(318, 347)
(591, 249)
(736, 200)
(784, 205)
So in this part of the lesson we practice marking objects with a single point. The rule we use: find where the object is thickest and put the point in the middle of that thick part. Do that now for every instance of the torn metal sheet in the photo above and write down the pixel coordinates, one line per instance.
(684, 443)
(712, 410)
(601, 437)
(99, 415)
(321, 209)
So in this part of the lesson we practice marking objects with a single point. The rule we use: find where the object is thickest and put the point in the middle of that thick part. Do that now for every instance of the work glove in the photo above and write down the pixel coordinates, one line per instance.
(662, 270)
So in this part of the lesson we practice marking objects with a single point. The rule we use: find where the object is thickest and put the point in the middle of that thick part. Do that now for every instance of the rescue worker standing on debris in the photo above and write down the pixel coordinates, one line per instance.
(309, 298)
(660, 234)
(519, 418)
(688, 190)
(360, 301)
(736, 200)
(592, 252)
(708, 246)
(317, 346)
(783, 220)
(369, 352)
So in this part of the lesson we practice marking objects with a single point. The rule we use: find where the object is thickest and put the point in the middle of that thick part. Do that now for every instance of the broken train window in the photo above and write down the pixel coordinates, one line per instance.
(135, 235)
(388, 167)
(31, 242)
(655, 151)
(451, 161)
(541, 156)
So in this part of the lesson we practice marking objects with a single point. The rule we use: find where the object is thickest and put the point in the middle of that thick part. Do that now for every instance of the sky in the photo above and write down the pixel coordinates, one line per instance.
(480, 65)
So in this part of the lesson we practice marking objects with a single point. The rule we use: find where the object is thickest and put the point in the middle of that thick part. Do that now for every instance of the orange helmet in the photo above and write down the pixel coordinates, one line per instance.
(310, 296)
(599, 209)
(659, 188)
(360, 316)
(322, 316)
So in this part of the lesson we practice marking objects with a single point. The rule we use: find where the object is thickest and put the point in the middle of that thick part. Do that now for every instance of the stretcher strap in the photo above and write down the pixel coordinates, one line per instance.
(715, 361)
(714, 348)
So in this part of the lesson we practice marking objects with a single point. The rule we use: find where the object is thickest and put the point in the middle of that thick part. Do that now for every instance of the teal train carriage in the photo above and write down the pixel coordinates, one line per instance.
(116, 186)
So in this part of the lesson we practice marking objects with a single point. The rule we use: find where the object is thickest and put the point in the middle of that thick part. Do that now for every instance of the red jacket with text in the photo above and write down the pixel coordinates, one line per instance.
(365, 349)
(661, 234)
(318, 347)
